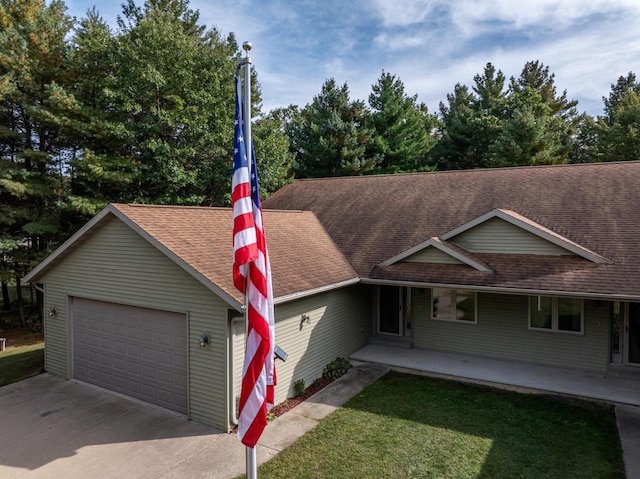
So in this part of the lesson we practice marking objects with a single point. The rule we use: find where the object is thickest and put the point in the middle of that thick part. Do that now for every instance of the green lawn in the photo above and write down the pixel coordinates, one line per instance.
(20, 363)
(413, 426)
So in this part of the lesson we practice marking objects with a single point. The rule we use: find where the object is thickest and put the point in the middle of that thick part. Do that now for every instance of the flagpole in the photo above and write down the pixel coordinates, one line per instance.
(251, 457)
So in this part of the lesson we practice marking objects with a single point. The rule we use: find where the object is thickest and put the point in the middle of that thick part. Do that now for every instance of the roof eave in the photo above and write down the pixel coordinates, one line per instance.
(309, 292)
(504, 289)
(44, 265)
(112, 209)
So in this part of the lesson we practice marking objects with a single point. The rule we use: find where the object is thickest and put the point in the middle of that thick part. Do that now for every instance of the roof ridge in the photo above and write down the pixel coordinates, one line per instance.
(601, 164)
(151, 205)
(205, 208)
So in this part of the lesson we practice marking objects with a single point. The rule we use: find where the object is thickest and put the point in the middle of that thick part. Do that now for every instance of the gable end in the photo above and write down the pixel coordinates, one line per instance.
(507, 232)
(422, 253)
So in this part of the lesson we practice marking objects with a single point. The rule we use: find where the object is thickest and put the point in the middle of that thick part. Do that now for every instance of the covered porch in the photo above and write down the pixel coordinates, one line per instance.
(619, 385)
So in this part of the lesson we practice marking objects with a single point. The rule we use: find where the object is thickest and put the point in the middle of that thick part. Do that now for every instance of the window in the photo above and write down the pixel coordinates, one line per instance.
(564, 315)
(453, 305)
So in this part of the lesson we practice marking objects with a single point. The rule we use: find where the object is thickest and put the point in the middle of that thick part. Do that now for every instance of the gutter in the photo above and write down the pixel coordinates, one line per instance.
(232, 382)
(310, 292)
(492, 289)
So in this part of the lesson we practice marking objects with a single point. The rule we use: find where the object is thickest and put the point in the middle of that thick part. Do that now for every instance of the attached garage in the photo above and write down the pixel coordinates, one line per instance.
(138, 352)
(140, 301)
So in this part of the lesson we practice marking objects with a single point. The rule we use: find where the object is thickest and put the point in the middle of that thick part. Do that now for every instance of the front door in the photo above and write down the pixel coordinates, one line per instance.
(633, 333)
(391, 304)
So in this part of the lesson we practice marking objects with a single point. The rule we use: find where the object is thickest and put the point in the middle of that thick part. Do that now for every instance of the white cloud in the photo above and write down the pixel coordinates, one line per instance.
(402, 13)
(429, 44)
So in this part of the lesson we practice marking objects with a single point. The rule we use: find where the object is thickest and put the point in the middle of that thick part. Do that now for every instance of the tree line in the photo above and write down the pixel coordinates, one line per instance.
(143, 112)
(522, 121)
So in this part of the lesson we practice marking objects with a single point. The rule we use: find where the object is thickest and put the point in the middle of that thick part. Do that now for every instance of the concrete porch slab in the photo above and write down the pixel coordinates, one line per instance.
(617, 386)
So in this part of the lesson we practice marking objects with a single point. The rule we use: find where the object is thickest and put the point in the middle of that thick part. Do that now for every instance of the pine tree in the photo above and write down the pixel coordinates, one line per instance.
(617, 132)
(539, 124)
(471, 122)
(457, 147)
(159, 96)
(402, 127)
(36, 114)
(332, 135)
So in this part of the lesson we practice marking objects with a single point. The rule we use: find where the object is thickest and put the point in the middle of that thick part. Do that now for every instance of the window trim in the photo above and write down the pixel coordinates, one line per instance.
(453, 294)
(554, 316)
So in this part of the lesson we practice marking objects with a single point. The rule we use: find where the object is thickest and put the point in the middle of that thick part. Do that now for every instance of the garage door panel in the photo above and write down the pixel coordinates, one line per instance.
(107, 360)
(133, 333)
(135, 351)
(92, 340)
(148, 336)
(119, 384)
(118, 346)
(180, 361)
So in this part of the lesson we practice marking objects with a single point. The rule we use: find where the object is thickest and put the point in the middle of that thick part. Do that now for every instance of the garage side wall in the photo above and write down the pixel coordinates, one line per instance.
(339, 324)
(502, 332)
(117, 265)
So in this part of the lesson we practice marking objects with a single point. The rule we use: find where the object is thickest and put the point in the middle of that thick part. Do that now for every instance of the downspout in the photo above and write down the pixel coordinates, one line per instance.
(232, 381)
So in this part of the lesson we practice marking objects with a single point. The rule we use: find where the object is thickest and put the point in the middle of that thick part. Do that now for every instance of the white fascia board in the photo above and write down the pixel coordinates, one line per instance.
(110, 209)
(230, 300)
(407, 253)
(532, 227)
(435, 243)
(459, 256)
(504, 290)
(67, 244)
(309, 292)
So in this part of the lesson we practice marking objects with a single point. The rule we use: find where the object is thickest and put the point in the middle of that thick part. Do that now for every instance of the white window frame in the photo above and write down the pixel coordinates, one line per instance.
(453, 295)
(554, 316)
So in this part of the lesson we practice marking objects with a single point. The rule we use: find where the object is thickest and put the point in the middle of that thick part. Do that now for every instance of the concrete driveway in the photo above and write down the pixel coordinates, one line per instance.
(51, 428)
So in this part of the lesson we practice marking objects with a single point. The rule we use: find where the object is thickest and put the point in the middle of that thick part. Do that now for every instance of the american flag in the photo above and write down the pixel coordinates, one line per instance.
(245, 246)
(258, 372)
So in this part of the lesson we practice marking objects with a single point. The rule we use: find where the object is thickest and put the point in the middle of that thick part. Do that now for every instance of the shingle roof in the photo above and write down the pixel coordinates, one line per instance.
(374, 218)
(303, 257)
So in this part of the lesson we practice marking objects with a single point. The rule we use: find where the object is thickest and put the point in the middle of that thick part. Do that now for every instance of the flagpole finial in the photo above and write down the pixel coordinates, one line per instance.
(246, 46)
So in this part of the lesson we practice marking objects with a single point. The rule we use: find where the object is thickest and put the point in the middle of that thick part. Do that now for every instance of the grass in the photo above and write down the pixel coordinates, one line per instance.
(23, 358)
(412, 426)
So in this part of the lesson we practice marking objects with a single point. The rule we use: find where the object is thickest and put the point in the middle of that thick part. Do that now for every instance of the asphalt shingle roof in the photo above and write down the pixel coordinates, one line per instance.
(304, 259)
(373, 218)
(303, 256)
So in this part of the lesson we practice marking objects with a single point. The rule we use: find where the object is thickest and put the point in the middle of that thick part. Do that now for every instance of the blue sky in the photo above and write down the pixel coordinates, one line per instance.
(429, 44)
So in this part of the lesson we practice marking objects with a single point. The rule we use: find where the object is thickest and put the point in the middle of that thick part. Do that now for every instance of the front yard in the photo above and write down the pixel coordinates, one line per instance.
(413, 426)
(23, 356)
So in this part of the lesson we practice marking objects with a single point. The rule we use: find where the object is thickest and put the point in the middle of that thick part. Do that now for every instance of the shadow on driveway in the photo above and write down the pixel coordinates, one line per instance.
(56, 428)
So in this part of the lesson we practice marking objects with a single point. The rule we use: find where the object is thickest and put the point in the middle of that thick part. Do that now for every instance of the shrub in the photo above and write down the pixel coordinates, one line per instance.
(299, 387)
(336, 368)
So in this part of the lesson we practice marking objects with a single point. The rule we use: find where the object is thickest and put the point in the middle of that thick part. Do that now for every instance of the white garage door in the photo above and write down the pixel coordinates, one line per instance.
(138, 352)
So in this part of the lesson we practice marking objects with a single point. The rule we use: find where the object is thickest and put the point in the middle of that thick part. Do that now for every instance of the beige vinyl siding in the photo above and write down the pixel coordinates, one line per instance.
(117, 265)
(499, 236)
(432, 255)
(340, 324)
(502, 332)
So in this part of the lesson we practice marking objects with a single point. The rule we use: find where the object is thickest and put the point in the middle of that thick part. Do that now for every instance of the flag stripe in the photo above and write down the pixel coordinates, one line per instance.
(245, 246)
(258, 372)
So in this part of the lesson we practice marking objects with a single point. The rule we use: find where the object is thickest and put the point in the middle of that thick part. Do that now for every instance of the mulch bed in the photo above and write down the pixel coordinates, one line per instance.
(290, 403)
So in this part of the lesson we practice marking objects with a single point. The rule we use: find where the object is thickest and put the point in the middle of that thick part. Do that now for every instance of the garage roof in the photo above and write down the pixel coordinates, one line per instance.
(304, 258)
